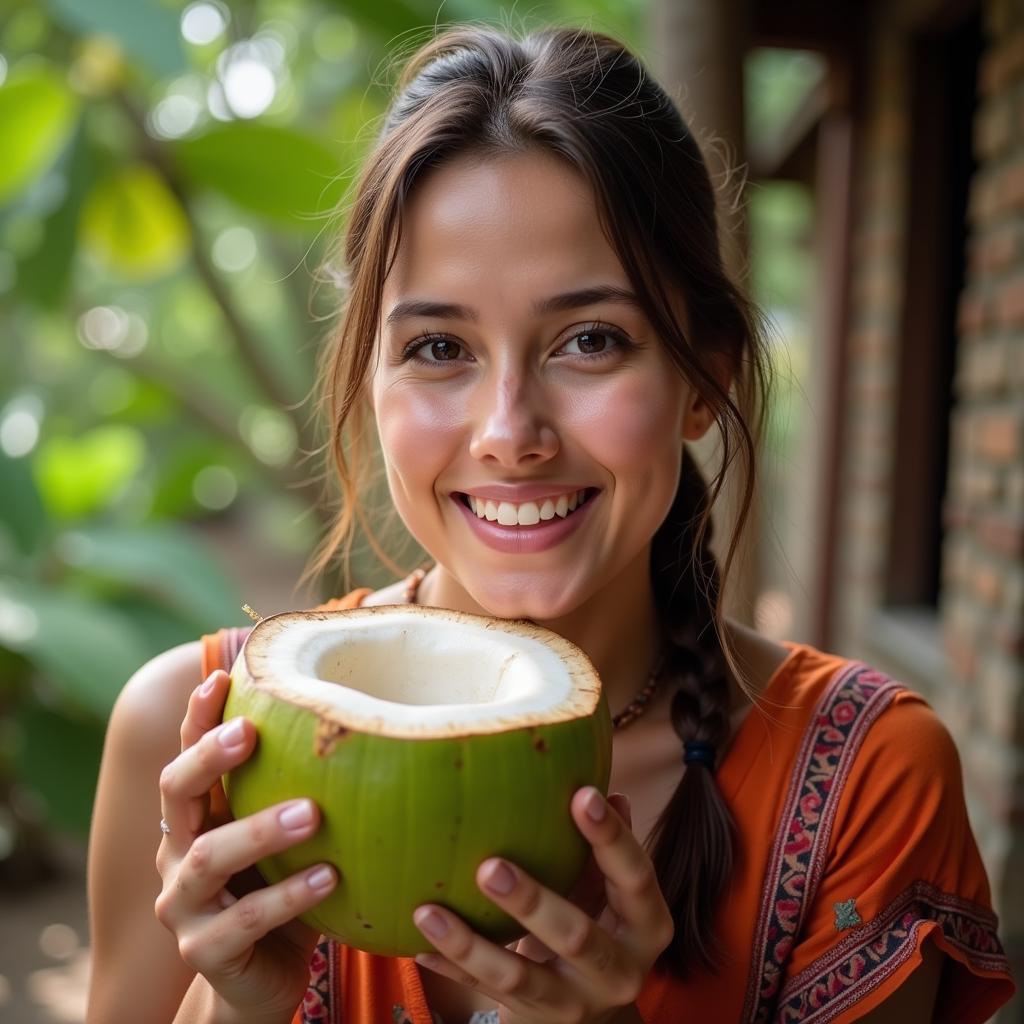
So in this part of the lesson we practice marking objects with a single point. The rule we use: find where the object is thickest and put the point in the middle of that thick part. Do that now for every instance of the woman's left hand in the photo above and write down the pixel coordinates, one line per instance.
(570, 967)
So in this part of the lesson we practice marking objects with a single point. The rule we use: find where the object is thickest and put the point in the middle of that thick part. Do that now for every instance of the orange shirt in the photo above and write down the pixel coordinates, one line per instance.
(843, 784)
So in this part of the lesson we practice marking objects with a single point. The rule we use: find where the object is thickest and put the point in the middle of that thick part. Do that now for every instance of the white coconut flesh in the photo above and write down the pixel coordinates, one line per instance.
(391, 670)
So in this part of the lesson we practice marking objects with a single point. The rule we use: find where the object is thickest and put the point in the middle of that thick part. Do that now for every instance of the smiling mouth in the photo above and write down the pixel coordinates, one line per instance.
(528, 513)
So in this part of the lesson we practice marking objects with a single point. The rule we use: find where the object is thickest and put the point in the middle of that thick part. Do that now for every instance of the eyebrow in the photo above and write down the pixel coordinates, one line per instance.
(409, 308)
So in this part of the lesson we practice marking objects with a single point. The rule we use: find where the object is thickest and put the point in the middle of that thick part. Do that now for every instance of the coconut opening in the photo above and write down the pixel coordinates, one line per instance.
(428, 671)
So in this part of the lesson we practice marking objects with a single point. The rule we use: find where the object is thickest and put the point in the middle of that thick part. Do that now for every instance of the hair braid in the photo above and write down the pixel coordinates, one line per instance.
(691, 844)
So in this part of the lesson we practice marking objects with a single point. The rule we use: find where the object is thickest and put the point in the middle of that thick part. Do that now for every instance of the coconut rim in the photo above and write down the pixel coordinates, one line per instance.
(580, 686)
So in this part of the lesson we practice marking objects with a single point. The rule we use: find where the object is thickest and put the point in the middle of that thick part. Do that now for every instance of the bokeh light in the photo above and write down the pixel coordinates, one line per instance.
(215, 487)
(202, 23)
(113, 329)
(20, 423)
(234, 249)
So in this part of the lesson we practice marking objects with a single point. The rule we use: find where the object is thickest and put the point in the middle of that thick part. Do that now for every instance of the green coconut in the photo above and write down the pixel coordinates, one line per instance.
(430, 740)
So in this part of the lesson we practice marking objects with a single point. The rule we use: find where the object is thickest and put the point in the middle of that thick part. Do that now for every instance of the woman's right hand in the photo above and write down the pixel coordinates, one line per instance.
(248, 945)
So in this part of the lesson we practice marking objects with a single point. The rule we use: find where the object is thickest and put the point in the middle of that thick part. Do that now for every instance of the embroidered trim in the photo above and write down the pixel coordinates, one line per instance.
(317, 1007)
(846, 914)
(399, 1015)
(875, 951)
(231, 640)
(851, 702)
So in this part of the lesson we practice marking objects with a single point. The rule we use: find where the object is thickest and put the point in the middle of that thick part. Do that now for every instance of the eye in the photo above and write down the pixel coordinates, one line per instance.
(597, 340)
(432, 348)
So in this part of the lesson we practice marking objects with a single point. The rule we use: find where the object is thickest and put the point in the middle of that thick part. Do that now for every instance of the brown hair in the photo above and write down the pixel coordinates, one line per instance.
(584, 97)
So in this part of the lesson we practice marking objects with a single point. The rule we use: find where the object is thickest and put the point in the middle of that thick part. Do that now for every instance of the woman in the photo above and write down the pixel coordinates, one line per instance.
(538, 323)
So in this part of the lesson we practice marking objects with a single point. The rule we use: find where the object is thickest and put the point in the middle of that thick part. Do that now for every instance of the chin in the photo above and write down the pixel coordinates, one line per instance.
(528, 602)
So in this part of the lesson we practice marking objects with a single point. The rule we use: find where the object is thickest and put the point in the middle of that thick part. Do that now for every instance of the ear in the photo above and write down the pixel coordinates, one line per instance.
(699, 413)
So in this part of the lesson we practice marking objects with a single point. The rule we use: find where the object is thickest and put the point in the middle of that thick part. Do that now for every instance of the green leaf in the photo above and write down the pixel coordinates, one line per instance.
(59, 758)
(161, 560)
(85, 649)
(44, 274)
(161, 627)
(277, 172)
(147, 29)
(134, 224)
(22, 513)
(391, 19)
(78, 475)
(37, 113)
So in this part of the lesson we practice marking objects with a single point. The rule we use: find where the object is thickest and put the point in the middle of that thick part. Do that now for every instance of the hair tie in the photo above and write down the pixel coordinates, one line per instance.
(700, 752)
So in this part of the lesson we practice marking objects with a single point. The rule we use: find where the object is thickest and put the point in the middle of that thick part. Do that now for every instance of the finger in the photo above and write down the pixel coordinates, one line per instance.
(623, 808)
(204, 712)
(217, 855)
(205, 708)
(562, 926)
(185, 783)
(631, 882)
(510, 979)
(226, 939)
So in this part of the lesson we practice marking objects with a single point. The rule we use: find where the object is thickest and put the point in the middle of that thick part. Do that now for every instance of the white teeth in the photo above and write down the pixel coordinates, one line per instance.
(529, 514)
(506, 513)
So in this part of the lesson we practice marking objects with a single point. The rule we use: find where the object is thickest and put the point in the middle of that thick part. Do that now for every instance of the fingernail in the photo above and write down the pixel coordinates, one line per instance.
(296, 815)
(232, 734)
(207, 688)
(498, 878)
(594, 806)
(431, 922)
(320, 878)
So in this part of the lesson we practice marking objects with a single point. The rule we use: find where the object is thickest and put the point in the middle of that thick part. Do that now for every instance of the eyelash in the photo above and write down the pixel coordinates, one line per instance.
(621, 342)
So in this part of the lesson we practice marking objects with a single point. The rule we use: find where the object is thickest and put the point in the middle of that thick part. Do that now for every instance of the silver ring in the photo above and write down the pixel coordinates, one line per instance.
(164, 827)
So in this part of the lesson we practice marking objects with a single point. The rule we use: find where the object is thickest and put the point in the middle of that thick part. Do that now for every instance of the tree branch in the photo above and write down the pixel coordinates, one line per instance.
(209, 411)
(246, 342)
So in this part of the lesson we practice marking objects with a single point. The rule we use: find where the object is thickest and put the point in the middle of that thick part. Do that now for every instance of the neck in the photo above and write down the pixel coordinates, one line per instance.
(617, 627)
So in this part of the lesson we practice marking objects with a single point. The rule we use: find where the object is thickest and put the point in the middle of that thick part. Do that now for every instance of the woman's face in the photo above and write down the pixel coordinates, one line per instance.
(500, 388)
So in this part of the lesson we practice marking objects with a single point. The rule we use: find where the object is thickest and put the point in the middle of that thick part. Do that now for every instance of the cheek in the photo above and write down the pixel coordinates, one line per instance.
(415, 428)
(630, 421)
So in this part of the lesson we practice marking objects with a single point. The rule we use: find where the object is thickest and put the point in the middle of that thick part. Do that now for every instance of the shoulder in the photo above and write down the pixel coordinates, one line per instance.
(153, 701)
(882, 742)
(906, 773)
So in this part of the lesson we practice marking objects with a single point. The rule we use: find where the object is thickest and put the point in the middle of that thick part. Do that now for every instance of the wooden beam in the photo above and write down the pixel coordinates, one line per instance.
(805, 24)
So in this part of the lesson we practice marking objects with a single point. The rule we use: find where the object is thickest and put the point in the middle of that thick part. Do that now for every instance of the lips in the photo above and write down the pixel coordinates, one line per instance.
(520, 539)
(526, 513)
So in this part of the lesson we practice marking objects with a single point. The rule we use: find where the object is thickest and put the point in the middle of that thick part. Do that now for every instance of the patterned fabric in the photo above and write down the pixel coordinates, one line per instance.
(838, 725)
(400, 1016)
(231, 641)
(316, 1006)
(867, 956)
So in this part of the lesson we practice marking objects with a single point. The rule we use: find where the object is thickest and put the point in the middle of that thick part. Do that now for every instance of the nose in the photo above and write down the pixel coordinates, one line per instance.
(511, 422)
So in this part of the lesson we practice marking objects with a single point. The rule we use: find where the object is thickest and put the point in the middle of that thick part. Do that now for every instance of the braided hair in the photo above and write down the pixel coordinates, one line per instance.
(691, 843)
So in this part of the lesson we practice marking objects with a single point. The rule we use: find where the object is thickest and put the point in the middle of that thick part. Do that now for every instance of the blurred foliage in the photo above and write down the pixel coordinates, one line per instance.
(781, 218)
(171, 181)
(777, 81)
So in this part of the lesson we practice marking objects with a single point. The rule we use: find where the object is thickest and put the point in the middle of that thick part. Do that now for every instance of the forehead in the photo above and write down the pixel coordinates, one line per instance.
(497, 226)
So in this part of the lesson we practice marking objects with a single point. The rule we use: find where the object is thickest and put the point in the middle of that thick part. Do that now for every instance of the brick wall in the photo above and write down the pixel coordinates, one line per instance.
(980, 691)
(873, 346)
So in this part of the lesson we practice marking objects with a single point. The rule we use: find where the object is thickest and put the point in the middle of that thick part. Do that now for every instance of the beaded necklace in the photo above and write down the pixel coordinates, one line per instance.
(629, 714)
